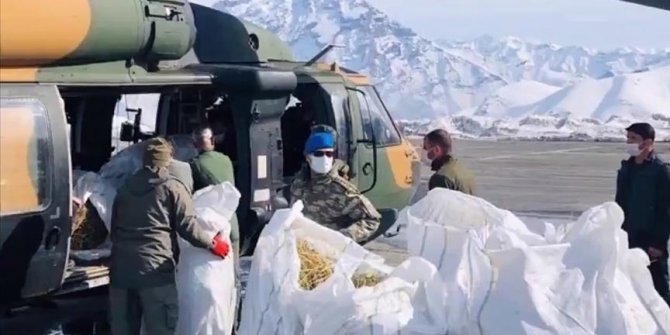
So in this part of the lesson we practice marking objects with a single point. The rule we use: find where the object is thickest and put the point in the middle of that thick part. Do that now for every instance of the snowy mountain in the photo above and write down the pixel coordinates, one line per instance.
(555, 65)
(469, 81)
(589, 109)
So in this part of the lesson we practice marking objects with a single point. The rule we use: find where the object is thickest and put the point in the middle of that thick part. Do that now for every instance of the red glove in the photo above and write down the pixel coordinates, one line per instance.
(219, 246)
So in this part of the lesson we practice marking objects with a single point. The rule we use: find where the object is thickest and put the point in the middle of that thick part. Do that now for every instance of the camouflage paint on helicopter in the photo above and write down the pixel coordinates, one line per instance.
(143, 43)
(81, 42)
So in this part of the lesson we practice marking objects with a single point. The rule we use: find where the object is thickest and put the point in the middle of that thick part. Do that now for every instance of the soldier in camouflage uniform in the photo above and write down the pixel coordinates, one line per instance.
(330, 199)
(338, 165)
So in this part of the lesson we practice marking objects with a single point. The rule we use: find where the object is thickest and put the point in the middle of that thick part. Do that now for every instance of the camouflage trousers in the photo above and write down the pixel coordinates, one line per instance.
(154, 308)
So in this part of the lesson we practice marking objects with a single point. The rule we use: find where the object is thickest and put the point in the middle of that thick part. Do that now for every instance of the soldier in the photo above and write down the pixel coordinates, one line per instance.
(338, 165)
(182, 172)
(150, 209)
(449, 172)
(211, 167)
(330, 199)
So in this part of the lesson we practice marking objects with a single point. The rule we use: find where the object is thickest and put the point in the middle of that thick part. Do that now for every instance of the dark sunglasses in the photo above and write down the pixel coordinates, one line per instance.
(322, 153)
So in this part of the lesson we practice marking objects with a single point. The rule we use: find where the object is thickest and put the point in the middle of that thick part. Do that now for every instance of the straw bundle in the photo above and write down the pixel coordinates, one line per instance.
(316, 269)
(88, 229)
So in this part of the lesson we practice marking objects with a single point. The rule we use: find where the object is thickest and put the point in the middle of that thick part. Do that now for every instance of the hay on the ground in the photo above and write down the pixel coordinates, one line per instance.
(316, 269)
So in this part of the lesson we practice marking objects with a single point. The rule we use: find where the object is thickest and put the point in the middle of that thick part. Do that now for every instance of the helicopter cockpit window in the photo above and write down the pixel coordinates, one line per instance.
(24, 156)
(378, 120)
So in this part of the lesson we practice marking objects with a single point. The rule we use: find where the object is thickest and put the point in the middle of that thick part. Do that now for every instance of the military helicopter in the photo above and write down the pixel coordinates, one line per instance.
(62, 79)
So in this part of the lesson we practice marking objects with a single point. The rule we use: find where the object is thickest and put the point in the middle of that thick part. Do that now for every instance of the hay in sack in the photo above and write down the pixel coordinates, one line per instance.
(316, 269)
(88, 229)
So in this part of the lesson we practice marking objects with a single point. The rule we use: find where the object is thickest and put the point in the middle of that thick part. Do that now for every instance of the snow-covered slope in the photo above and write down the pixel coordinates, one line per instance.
(486, 79)
(589, 109)
(519, 93)
(417, 76)
(517, 59)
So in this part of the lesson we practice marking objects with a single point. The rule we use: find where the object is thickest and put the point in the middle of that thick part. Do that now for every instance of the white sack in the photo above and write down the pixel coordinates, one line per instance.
(100, 188)
(205, 282)
(411, 299)
(503, 279)
(91, 187)
(129, 160)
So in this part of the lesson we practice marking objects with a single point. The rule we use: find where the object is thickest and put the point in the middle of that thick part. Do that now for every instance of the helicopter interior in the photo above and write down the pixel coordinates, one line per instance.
(167, 112)
(307, 106)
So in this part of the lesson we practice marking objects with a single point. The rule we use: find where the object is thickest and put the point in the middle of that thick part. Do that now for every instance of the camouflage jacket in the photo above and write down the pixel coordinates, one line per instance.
(336, 203)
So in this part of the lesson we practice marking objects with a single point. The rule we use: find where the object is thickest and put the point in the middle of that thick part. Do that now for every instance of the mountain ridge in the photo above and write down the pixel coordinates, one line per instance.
(424, 79)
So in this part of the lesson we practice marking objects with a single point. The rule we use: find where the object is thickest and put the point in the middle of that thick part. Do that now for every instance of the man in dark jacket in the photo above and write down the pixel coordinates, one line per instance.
(643, 192)
(149, 210)
(449, 172)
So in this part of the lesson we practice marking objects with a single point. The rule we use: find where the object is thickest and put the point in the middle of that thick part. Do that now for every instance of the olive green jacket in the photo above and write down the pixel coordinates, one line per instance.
(451, 174)
(149, 210)
(211, 168)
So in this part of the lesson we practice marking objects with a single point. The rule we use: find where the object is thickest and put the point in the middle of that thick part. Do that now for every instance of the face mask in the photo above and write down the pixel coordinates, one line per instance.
(321, 165)
(633, 149)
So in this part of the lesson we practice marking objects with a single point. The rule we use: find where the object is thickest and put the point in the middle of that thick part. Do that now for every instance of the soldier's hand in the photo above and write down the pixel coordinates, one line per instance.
(220, 247)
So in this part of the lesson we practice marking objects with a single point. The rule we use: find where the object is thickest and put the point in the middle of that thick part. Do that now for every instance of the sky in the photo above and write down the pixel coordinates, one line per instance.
(601, 24)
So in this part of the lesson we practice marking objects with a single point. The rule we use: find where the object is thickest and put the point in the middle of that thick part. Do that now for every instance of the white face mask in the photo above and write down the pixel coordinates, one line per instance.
(633, 149)
(321, 165)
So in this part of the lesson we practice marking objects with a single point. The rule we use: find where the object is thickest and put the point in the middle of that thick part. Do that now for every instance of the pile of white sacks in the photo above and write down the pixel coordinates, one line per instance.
(474, 269)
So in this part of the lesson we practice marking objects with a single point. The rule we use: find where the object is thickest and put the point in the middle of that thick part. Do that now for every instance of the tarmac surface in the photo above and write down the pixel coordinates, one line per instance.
(550, 181)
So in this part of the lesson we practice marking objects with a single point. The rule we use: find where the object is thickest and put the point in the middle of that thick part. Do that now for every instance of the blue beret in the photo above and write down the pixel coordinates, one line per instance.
(318, 141)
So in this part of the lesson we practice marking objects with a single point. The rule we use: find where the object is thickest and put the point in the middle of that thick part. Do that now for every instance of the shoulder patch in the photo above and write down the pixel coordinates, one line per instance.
(345, 184)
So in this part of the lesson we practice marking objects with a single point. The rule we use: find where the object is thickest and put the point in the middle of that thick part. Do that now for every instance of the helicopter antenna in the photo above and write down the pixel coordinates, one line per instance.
(322, 53)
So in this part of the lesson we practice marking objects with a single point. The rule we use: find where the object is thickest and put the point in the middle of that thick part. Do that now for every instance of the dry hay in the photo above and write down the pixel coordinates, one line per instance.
(367, 279)
(88, 229)
(316, 269)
